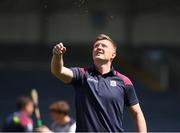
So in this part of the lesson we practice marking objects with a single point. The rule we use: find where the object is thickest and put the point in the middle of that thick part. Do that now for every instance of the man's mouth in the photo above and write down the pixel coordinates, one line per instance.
(98, 53)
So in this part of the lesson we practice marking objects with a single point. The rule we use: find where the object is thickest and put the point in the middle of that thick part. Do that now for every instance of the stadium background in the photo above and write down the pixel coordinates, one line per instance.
(148, 37)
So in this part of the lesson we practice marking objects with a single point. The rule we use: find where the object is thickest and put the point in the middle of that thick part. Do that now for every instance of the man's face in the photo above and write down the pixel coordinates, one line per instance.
(103, 50)
(56, 116)
(29, 108)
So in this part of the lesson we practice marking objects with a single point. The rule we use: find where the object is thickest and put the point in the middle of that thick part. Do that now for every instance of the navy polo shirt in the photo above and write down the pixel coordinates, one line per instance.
(100, 99)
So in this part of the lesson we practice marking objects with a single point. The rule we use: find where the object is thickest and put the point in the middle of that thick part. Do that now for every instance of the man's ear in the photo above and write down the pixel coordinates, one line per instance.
(113, 55)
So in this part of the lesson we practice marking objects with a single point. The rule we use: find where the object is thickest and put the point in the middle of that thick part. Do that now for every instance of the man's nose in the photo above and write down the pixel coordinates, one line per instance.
(99, 47)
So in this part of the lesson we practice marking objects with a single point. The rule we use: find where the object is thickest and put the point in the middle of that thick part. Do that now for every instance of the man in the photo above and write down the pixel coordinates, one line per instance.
(60, 115)
(62, 121)
(101, 92)
(21, 120)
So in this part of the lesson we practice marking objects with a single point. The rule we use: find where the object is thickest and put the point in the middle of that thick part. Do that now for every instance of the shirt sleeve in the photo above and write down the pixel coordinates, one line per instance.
(78, 75)
(130, 95)
(72, 128)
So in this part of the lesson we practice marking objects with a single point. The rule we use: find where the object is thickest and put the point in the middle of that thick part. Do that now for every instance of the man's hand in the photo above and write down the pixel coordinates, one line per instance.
(59, 49)
(57, 64)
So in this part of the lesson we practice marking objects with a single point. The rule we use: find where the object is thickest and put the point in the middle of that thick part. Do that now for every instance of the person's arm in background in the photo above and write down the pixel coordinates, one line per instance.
(57, 64)
(44, 129)
(138, 118)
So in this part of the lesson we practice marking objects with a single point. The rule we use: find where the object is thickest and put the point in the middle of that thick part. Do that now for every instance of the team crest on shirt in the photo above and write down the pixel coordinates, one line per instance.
(113, 83)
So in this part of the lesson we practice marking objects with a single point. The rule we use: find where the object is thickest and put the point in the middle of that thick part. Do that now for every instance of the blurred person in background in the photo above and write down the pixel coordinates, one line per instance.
(101, 92)
(21, 120)
(62, 122)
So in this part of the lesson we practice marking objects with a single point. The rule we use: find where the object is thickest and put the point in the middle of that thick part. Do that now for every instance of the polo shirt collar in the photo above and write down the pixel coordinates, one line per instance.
(96, 72)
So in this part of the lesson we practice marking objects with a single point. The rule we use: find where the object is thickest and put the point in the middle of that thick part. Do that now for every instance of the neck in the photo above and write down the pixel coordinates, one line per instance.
(103, 68)
(64, 120)
(24, 111)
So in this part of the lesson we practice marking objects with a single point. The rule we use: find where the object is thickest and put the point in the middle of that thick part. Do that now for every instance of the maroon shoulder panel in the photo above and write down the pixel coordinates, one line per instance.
(126, 80)
(83, 70)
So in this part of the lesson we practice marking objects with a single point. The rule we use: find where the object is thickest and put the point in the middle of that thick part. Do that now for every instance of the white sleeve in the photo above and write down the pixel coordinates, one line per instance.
(72, 129)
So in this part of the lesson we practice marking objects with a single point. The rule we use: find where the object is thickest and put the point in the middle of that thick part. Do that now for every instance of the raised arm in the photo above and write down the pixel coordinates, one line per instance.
(57, 64)
(138, 118)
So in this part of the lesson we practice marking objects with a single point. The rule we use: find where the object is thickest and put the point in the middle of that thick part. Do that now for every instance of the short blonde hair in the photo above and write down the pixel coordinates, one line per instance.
(106, 37)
